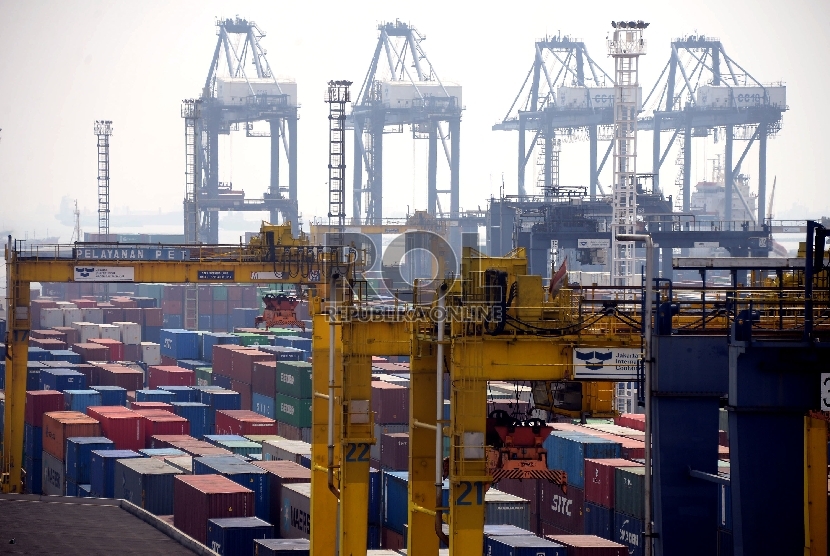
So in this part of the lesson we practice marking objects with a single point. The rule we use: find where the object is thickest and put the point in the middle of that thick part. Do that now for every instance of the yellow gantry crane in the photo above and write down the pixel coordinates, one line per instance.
(272, 257)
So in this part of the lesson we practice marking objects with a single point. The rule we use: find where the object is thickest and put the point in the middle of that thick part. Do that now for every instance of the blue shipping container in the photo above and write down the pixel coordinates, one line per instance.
(243, 318)
(66, 355)
(33, 369)
(235, 536)
(169, 321)
(102, 470)
(79, 400)
(79, 453)
(221, 399)
(598, 520)
(3, 375)
(197, 415)
(32, 441)
(181, 393)
(529, 545)
(242, 473)
(375, 495)
(395, 501)
(301, 343)
(282, 341)
(216, 338)
(39, 354)
(34, 475)
(373, 537)
(567, 451)
(222, 381)
(204, 322)
(179, 344)
(71, 488)
(264, 405)
(61, 380)
(84, 491)
(628, 531)
(154, 396)
(220, 322)
(152, 333)
(111, 395)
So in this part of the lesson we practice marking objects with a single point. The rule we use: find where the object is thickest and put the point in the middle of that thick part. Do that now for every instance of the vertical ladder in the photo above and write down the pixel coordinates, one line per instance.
(191, 307)
(678, 181)
(191, 210)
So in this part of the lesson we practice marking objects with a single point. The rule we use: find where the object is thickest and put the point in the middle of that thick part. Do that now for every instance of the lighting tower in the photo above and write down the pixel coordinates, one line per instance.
(103, 130)
(337, 96)
(626, 47)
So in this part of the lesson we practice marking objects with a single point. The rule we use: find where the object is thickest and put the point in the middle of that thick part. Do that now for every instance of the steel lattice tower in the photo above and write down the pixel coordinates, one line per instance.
(626, 47)
(103, 130)
(337, 96)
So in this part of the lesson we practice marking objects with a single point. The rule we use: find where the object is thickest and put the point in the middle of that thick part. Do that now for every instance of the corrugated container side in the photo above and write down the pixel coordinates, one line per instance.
(102, 470)
(39, 402)
(629, 491)
(629, 532)
(380, 430)
(120, 425)
(295, 522)
(60, 425)
(242, 473)
(147, 483)
(501, 508)
(391, 403)
(395, 501)
(567, 451)
(562, 510)
(196, 414)
(283, 473)
(294, 379)
(78, 454)
(394, 451)
(236, 535)
(530, 545)
(53, 476)
(599, 479)
(588, 545)
(198, 498)
(599, 521)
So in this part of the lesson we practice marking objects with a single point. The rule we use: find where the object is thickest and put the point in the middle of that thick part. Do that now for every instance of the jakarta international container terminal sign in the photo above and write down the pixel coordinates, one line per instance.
(597, 363)
(104, 274)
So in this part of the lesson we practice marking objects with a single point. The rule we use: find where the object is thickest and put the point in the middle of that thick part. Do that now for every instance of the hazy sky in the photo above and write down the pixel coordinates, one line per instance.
(66, 63)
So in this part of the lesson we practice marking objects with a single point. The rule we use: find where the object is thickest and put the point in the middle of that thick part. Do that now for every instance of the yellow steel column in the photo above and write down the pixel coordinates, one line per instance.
(815, 487)
(468, 474)
(356, 439)
(422, 412)
(17, 355)
(323, 502)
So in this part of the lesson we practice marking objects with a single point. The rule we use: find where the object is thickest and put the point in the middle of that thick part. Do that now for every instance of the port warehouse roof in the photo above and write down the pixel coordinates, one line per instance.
(61, 525)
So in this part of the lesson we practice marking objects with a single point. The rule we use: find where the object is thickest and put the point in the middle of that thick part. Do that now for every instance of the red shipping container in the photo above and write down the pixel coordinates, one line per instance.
(120, 425)
(71, 336)
(245, 394)
(204, 293)
(132, 352)
(723, 452)
(631, 420)
(134, 314)
(161, 422)
(84, 303)
(92, 352)
(49, 344)
(39, 402)
(113, 314)
(220, 307)
(44, 334)
(588, 545)
(198, 498)
(124, 303)
(599, 479)
(169, 375)
(282, 473)
(116, 348)
(264, 378)
(390, 539)
(168, 362)
(242, 363)
(290, 432)
(222, 355)
(119, 375)
(136, 406)
(235, 293)
(391, 403)
(89, 371)
(244, 422)
(163, 440)
(171, 307)
(60, 425)
(153, 317)
(173, 292)
(527, 489)
(394, 451)
(249, 296)
(198, 448)
(562, 510)
(723, 438)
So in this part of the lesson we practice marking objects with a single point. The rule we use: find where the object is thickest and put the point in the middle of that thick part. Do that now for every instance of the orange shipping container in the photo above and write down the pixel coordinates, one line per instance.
(60, 425)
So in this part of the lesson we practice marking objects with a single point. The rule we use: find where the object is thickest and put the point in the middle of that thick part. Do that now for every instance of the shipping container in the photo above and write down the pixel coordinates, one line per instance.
(390, 402)
(264, 405)
(147, 483)
(628, 531)
(66, 355)
(61, 380)
(380, 430)
(151, 353)
(161, 452)
(395, 500)
(394, 451)
(33, 369)
(294, 379)
(127, 378)
(181, 393)
(53, 476)
(32, 441)
(235, 536)
(39, 402)
(146, 395)
(79, 454)
(160, 422)
(179, 344)
(295, 514)
(290, 432)
(567, 451)
(151, 405)
(282, 473)
(182, 463)
(287, 450)
(33, 467)
(629, 491)
(284, 353)
(198, 498)
(60, 425)
(196, 414)
(563, 510)
(599, 479)
(599, 521)
(501, 508)
(220, 399)
(589, 545)
(109, 331)
(243, 422)
(102, 470)
(282, 547)
(169, 375)
(296, 412)
(241, 472)
(530, 545)
(120, 425)
(115, 347)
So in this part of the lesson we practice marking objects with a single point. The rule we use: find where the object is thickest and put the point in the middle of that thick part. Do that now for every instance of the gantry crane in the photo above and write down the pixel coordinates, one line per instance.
(274, 256)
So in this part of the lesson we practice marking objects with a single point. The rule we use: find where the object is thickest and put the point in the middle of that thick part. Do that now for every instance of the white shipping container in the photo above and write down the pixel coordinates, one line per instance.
(109, 331)
(295, 522)
(86, 331)
(130, 332)
(94, 315)
(402, 94)
(65, 305)
(575, 98)
(54, 476)
(288, 450)
(236, 90)
(710, 96)
(151, 353)
(71, 315)
(501, 508)
(51, 318)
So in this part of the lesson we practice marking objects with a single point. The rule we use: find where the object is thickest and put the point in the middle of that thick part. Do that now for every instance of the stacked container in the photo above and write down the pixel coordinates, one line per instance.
(57, 427)
(629, 511)
(281, 473)
(170, 375)
(147, 483)
(160, 422)
(236, 535)
(38, 403)
(78, 459)
(600, 495)
(198, 498)
(241, 472)
(120, 425)
(102, 470)
(295, 522)
(292, 405)
(196, 414)
(243, 422)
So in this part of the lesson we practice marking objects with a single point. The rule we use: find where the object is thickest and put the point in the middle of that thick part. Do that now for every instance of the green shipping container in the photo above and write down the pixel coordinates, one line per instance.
(284, 331)
(220, 293)
(241, 447)
(629, 491)
(250, 339)
(204, 376)
(294, 379)
(293, 411)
